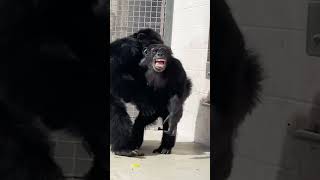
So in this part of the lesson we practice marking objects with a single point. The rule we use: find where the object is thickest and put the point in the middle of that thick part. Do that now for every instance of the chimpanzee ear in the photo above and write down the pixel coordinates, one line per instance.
(145, 51)
(170, 51)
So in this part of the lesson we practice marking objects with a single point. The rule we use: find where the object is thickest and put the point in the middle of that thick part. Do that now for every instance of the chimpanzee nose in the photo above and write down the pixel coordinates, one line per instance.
(159, 54)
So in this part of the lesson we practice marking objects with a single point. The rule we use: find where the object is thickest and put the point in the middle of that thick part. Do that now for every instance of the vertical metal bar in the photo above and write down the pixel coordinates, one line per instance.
(168, 22)
(208, 60)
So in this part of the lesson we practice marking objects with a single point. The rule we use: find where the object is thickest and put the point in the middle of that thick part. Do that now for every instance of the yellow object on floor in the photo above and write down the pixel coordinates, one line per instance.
(135, 165)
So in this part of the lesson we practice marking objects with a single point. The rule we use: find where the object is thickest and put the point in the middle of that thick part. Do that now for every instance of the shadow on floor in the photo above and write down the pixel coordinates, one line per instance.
(181, 148)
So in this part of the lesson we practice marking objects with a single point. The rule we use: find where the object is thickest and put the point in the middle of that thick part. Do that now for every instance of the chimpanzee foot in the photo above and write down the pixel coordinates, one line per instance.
(162, 150)
(129, 153)
(167, 143)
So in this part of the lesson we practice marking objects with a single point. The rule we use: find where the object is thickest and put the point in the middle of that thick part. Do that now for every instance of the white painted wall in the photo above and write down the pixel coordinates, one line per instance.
(190, 35)
(265, 148)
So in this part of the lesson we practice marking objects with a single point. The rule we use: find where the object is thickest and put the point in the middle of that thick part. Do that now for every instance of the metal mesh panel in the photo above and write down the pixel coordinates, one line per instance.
(129, 16)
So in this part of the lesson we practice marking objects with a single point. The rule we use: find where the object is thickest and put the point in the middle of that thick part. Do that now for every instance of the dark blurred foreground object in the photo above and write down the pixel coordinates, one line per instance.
(51, 66)
(236, 86)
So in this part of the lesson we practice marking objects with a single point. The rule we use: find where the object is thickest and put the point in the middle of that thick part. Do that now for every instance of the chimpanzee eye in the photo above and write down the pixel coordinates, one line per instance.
(145, 51)
(153, 50)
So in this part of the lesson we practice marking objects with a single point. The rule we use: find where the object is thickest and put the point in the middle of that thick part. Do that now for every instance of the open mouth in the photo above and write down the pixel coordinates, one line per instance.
(159, 65)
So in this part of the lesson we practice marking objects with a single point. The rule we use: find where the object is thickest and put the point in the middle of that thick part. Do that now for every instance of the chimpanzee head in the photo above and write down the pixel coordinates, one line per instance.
(156, 57)
(147, 37)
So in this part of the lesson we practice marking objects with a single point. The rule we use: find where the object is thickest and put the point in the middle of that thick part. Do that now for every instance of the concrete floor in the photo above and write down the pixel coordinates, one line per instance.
(188, 161)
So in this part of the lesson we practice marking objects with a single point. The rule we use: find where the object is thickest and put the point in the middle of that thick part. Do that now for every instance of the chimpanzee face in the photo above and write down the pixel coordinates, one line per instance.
(157, 57)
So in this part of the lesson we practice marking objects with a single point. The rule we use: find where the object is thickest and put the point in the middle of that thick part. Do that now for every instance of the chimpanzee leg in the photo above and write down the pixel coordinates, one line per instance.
(138, 128)
(167, 141)
(120, 129)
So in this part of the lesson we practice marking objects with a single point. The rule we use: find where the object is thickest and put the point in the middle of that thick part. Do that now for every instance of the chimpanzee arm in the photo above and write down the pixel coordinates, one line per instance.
(175, 109)
(143, 99)
(180, 92)
(125, 54)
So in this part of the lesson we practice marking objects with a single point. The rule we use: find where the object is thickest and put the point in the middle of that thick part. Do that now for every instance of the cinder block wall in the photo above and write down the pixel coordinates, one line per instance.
(266, 150)
(190, 35)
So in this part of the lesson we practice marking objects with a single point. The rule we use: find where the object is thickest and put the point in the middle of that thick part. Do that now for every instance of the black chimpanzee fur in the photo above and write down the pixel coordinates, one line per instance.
(168, 79)
(236, 86)
(156, 94)
(168, 88)
(52, 76)
(127, 81)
